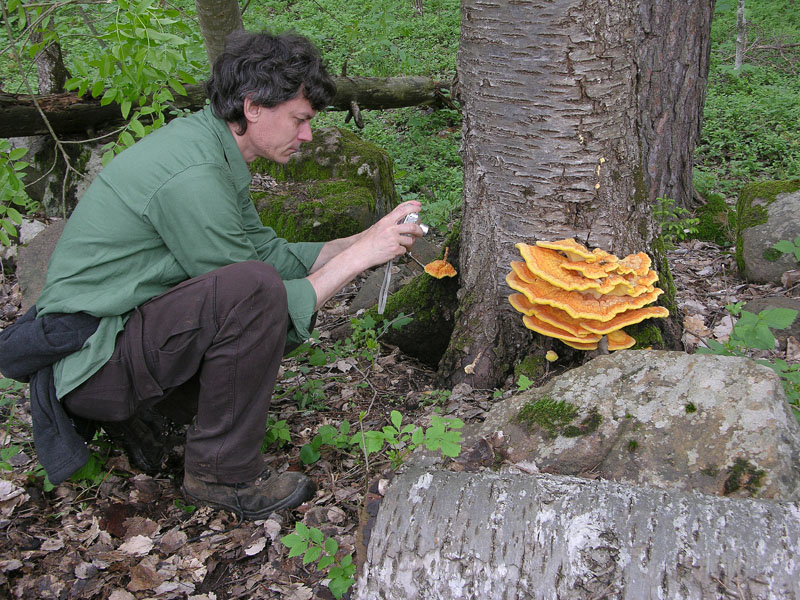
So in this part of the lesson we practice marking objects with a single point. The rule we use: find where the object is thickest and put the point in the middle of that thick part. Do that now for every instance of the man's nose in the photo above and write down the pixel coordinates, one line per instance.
(305, 132)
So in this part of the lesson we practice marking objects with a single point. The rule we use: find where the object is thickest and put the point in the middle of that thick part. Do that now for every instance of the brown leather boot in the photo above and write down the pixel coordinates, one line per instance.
(255, 499)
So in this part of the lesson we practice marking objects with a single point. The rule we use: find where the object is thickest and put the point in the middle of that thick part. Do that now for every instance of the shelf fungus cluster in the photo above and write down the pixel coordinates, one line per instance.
(579, 296)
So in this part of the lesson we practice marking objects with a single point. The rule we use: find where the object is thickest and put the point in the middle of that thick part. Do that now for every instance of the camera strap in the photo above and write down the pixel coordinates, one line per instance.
(384, 293)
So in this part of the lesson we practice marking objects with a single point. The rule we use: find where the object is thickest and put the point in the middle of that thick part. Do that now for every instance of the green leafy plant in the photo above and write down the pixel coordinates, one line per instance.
(396, 439)
(363, 340)
(277, 432)
(313, 546)
(753, 331)
(6, 454)
(309, 393)
(14, 200)
(187, 508)
(147, 59)
(92, 474)
(402, 439)
(789, 247)
(328, 435)
(675, 222)
(523, 383)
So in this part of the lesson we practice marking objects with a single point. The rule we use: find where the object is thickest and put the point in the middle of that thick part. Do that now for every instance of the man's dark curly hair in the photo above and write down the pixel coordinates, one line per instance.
(269, 69)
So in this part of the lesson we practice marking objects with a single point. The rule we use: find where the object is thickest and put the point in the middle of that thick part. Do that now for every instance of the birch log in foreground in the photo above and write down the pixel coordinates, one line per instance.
(450, 536)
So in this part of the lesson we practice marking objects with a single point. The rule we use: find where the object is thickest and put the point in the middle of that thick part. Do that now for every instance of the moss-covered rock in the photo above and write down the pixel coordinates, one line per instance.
(433, 304)
(756, 232)
(337, 185)
(717, 221)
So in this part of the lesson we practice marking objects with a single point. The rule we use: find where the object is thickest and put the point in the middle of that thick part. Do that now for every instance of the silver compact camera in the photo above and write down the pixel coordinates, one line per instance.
(414, 218)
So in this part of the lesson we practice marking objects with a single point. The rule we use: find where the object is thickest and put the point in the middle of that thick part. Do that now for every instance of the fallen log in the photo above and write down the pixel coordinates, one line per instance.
(457, 535)
(70, 115)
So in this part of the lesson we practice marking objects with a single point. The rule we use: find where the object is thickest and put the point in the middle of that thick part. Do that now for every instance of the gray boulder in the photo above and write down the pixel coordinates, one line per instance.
(688, 488)
(767, 213)
(32, 262)
(713, 424)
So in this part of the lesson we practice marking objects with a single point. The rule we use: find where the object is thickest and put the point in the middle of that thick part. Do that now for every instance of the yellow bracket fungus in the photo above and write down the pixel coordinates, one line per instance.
(578, 296)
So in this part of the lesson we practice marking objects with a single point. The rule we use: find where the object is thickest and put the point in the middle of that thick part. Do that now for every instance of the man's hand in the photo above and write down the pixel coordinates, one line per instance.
(341, 260)
(389, 237)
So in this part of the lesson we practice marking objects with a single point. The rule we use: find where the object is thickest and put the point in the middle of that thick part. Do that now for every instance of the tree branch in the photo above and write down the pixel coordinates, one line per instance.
(67, 114)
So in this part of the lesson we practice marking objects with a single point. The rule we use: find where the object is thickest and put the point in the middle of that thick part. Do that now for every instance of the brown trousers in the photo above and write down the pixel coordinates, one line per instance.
(223, 332)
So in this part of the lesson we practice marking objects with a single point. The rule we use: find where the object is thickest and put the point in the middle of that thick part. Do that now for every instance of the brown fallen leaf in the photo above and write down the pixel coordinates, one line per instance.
(137, 545)
(144, 576)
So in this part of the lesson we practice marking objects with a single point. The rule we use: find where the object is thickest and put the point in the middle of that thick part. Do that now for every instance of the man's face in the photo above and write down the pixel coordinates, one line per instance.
(276, 133)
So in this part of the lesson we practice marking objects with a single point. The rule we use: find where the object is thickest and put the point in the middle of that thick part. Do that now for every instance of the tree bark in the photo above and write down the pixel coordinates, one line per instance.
(578, 114)
(70, 115)
(441, 535)
(51, 73)
(741, 36)
(218, 18)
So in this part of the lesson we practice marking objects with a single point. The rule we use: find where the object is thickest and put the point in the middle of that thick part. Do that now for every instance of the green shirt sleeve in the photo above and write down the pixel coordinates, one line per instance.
(206, 224)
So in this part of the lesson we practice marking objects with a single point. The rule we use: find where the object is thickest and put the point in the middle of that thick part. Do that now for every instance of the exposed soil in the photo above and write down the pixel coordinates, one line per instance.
(129, 535)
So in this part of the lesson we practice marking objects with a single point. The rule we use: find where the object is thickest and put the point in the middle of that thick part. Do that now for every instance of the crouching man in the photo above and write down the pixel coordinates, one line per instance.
(166, 256)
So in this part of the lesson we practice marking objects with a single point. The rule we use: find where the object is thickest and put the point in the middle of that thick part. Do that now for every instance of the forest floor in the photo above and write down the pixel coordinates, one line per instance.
(128, 535)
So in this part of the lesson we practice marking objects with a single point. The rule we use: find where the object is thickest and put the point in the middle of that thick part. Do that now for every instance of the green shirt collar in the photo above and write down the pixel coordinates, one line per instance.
(239, 168)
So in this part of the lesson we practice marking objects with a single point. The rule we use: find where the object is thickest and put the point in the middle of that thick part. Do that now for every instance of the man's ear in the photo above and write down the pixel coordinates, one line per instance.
(251, 110)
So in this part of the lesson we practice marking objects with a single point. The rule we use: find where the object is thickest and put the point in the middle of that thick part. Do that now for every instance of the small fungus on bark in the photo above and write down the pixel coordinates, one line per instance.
(577, 295)
(440, 268)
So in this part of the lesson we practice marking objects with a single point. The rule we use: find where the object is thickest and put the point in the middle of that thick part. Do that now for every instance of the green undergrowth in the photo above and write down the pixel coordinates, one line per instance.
(751, 121)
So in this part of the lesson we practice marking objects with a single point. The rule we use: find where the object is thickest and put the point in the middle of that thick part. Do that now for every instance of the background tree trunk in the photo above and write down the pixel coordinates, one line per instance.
(741, 36)
(578, 114)
(51, 74)
(441, 535)
(50, 70)
(218, 18)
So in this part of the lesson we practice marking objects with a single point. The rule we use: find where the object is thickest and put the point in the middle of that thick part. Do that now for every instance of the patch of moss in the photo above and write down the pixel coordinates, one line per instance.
(743, 475)
(710, 471)
(339, 154)
(690, 408)
(717, 221)
(772, 255)
(749, 213)
(587, 426)
(316, 211)
(647, 335)
(632, 445)
(433, 304)
(659, 333)
(551, 415)
(532, 366)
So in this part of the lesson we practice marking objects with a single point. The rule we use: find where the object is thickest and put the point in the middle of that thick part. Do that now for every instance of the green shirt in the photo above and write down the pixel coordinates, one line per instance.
(172, 207)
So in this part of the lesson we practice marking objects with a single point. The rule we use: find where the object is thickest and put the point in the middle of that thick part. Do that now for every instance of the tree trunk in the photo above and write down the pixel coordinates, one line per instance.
(218, 18)
(578, 114)
(70, 115)
(50, 70)
(441, 535)
(741, 36)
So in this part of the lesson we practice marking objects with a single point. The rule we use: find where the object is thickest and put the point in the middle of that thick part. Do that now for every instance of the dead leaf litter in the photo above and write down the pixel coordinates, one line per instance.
(130, 536)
